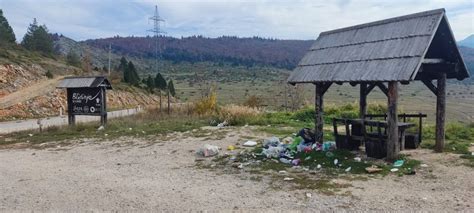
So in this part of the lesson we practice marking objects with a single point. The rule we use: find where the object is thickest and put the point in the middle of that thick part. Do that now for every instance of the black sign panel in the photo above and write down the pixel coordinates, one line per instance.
(85, 101)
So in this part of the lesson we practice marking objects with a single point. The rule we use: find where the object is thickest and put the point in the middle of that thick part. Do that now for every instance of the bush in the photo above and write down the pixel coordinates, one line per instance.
(206, 105)
(253, 101)
(237, 115)
(49, 74)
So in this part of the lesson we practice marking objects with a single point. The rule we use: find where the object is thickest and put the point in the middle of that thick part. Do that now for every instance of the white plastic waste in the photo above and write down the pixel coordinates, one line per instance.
(336, 161)
(208, 150)
(272, 141)
(250, 143)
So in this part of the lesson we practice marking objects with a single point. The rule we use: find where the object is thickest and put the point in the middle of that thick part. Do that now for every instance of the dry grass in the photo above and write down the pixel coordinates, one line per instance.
(232, 113)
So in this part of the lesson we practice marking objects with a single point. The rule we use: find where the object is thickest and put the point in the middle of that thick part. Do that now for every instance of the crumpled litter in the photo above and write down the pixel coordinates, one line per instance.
(208, 150)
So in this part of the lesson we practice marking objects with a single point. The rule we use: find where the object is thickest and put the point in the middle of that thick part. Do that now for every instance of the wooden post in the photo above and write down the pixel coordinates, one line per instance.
(169, 109)
(393, 145)
(318, 104)
(440, 112)
(103, 110)
(363, 100)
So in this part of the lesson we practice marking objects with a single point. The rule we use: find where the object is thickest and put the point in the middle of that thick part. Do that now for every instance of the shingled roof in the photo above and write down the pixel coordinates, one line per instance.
(388, 50)
(83, 82)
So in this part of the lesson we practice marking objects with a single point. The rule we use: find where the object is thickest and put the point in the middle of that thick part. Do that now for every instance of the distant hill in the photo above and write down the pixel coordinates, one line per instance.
(467, 42)
(468, 56)
(236, 51)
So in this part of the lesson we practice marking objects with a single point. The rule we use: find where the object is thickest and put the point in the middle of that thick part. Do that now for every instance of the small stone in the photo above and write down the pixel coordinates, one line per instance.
(309, 195)
(288, 179)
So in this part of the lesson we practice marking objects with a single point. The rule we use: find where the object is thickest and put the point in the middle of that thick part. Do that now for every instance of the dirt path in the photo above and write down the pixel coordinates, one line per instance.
(159, 173)
(37, 89)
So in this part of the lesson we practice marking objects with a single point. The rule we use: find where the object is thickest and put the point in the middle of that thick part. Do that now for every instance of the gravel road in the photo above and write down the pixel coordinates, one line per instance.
(160, 173)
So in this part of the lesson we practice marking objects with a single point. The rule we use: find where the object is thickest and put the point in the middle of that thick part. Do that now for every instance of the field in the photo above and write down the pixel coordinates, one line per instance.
(235, 84)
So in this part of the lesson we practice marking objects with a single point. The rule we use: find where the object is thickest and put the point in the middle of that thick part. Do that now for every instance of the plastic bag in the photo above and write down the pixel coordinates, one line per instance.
(208, 150)
(273, 141)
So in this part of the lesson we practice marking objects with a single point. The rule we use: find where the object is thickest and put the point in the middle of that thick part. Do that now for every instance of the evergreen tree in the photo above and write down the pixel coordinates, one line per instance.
(6, 31)
(123, 65)
(132, 74)
(73, 59)
(160, 82)
(150, 83)
(37, 38)
(171, 88)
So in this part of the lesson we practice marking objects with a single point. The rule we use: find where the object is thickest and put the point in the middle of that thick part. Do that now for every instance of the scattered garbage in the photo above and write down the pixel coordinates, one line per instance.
(348, 169)
(273, 141)
(230, 147)
(295, 162)
(308, 195)
(222, 125)
(319, 166)
(329, 145)
(336, 161)
(273, 152)
(282, 172)
(100, 128)
(208, 150)
(424, 165)
(287, 140)
(285, 161)
(329, 154)
(288, 179)
(307, 135)
(250, 143)
(373, 169)
(31, 135)
(398, 163)
(410, 172)
(394, 170)
(357, 159)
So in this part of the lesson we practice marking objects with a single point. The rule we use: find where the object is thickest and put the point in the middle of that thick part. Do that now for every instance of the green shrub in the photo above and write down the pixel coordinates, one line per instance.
(49, 74)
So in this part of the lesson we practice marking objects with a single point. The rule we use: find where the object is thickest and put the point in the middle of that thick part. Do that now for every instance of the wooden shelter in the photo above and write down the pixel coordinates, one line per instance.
(415, 47)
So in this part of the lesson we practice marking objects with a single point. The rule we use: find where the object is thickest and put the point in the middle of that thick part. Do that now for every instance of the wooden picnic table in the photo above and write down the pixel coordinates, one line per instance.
(402, 127)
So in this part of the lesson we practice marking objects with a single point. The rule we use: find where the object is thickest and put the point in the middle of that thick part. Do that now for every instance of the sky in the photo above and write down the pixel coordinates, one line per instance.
(282, 19)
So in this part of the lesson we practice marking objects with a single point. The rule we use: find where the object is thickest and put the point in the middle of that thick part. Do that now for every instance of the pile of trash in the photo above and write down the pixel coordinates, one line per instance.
(288, 147)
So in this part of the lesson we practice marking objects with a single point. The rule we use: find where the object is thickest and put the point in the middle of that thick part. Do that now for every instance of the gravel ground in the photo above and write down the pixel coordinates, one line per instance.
(160, 173)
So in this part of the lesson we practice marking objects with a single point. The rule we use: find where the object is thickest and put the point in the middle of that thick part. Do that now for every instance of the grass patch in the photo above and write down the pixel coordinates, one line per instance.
(147, 123)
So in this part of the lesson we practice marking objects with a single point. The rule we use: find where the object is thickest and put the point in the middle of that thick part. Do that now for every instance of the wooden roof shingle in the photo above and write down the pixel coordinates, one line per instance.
(387, 50)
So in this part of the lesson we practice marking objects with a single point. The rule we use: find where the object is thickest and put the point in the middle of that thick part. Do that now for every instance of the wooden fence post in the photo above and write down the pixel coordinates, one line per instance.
(363, 100)
(318, 104)
(440, 112)
(393, 145)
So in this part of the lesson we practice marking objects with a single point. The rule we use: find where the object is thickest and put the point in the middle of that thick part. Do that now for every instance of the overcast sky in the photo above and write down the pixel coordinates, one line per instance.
(290, 19)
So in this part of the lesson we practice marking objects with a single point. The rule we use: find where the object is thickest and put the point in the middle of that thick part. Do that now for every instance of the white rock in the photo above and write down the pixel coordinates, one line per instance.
(394, 170)
(424, 165)
(348, 169)
(100, 128)
(309, 195)
(318, 166)
(288, 179)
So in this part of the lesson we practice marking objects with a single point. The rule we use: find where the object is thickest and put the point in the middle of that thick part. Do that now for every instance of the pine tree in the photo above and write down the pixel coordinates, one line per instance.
(160, 84)
(73, 59)
(6, 32)
(37, 38)
(150, 83)
(134, 79)
(123, 65)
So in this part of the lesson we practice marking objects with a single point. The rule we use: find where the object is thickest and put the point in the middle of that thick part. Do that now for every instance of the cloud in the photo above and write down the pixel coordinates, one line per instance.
(297, 19)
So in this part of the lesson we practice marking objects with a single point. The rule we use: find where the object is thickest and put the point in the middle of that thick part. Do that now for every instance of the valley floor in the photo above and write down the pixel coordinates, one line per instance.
(160, 173)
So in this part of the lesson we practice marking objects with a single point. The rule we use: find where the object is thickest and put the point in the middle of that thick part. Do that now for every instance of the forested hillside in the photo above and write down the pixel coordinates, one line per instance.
(233, 50)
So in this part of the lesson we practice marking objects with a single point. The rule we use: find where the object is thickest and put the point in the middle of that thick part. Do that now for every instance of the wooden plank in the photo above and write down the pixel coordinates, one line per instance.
(430, 86)
(383, 88)
(393, 145)
(440, 113)
(370, 88)
(363, 100)
(433, 61)
(318, 104)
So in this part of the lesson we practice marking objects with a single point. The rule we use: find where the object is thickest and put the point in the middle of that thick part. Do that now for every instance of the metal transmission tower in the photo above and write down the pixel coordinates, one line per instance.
(157, 20)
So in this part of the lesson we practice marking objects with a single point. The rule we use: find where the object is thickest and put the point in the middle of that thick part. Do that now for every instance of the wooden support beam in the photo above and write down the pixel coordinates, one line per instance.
(382, 87)
(318, 104)
(440, 112)
(433, 61)
(363, 100)
(326, 87)
(370, 88)
(431, 86)
(393, 145)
